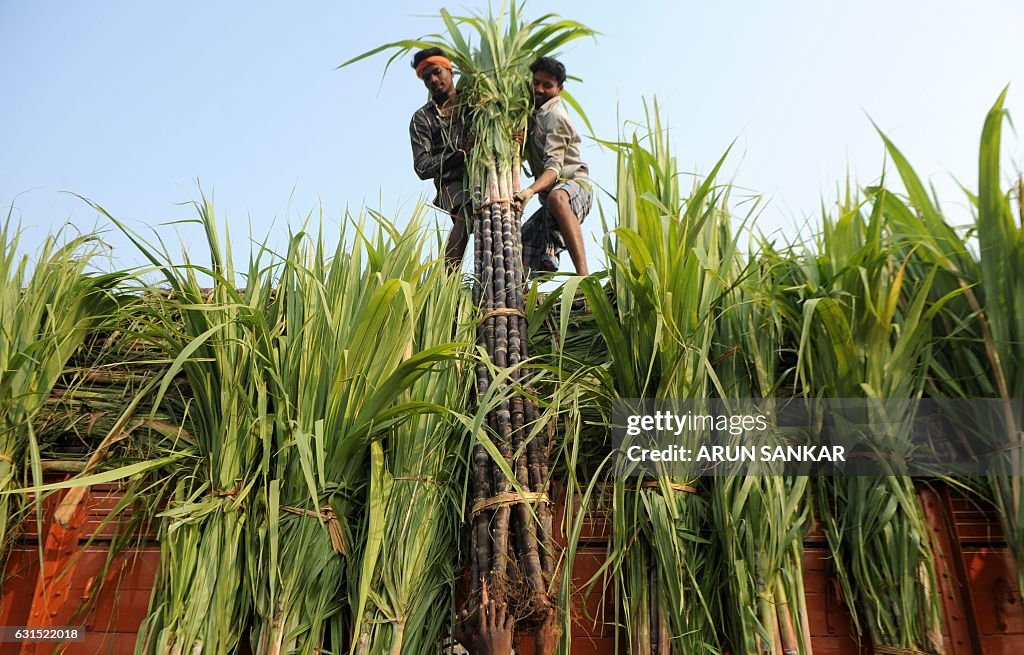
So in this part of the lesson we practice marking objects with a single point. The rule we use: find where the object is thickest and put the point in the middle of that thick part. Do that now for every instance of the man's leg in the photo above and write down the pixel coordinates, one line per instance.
(536, 243)
(561, 210)
(458, 239)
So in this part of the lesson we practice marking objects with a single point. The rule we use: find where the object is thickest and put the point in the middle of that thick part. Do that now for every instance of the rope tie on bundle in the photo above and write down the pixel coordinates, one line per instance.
(1012, 445)
(676, 486)
(325, 515)
(896, 650)
(502, 311)
(415, 478)
(226, 493)
(508, 498)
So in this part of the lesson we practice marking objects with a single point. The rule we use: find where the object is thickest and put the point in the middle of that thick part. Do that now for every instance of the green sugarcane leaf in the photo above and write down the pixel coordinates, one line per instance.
(104, 477)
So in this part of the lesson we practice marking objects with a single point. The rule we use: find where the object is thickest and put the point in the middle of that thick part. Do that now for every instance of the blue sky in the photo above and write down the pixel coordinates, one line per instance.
(129, 103)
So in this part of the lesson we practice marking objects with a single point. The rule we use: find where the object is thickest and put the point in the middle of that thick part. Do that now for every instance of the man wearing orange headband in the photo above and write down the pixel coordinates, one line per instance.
(439, 145)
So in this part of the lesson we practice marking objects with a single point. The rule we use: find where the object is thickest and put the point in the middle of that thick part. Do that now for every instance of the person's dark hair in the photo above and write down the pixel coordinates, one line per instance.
(423, 54)
(551, 66)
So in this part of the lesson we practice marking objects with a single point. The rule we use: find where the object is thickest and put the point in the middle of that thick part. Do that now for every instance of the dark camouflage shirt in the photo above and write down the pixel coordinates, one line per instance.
(436, 139)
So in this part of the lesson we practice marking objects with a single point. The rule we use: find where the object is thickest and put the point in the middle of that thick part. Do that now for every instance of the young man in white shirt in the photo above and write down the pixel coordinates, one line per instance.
(561, 177)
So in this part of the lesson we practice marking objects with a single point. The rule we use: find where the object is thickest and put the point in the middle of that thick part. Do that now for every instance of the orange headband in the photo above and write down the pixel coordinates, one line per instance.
(440, 60)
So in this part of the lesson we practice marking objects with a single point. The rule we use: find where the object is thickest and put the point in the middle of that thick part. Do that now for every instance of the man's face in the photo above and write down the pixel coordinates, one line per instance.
(438, 81)
(545, 87)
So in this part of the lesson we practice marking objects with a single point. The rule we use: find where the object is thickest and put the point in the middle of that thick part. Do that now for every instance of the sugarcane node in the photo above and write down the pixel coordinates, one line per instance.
(481, 459)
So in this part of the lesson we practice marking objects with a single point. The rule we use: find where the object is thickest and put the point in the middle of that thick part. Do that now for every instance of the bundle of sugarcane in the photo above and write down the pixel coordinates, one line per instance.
(1002, 266)
(509, 517)
(346, 368)
(760, 519)
(410, 561)
(219, 338)
(877, 325)
(523, 456)
(669, 270)
(47, 310)
(983, 355)
(576, 398)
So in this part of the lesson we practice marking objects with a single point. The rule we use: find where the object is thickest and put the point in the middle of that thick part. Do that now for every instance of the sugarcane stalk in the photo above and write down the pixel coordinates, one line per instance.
(664, 641)
(501, 515)
(502, 414)
(481, 533)
(805, 622)
(768, 618)
(480, 465)
(396, 638)
(655, 613)
(648, 613)
(503, 418)
(787, 630)
(537, 461)
(536, 457)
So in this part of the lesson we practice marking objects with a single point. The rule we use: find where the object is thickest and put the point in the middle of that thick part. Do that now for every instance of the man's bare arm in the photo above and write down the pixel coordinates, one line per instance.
(546, 180)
